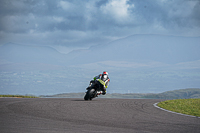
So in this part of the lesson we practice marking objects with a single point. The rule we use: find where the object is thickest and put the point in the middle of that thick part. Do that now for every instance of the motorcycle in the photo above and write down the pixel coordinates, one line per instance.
(94, 90)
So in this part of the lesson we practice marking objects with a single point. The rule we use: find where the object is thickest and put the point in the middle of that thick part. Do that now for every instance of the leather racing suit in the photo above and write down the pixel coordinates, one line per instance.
(103, 79)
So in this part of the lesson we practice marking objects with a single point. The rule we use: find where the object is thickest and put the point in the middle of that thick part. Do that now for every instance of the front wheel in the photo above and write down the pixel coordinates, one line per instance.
(89, 94)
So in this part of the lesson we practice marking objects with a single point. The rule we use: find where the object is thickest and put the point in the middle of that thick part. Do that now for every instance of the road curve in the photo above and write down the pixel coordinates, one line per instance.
(63, 115)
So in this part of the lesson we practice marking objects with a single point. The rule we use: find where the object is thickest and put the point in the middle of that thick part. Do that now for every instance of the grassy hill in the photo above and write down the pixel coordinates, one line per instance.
(176, 94)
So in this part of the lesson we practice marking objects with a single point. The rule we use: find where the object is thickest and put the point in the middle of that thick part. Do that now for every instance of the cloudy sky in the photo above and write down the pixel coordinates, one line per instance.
(83, 23)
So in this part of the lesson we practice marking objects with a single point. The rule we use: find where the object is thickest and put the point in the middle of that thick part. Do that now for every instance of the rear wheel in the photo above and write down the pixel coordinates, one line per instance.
(89, 94)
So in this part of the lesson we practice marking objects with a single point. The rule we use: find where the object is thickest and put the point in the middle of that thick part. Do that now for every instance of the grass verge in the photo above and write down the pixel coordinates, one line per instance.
(184, 106)
(18, 96)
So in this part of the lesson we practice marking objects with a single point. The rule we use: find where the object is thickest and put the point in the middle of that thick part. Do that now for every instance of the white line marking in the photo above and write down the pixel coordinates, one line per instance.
(155, 105)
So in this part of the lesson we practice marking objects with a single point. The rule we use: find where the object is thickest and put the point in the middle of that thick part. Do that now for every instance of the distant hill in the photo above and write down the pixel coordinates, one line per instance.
(176, 94)
(16, 53)
(142, 49)
(136, 51)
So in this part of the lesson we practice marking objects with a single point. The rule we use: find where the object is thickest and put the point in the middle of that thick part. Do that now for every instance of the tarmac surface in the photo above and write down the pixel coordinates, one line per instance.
(64, 115)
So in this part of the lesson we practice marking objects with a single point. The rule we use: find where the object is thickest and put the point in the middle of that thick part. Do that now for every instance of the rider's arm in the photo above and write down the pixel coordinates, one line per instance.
(97, 77)
(107, 82)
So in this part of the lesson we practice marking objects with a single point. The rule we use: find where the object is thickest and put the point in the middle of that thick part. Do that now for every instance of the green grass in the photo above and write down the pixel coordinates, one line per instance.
(184, 106)
(18, 96)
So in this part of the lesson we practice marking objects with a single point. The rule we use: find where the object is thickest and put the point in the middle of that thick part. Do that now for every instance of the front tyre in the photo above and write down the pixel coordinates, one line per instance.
(89, 94)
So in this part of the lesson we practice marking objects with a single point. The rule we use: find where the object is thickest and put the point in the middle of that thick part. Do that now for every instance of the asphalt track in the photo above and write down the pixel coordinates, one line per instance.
(62, 115)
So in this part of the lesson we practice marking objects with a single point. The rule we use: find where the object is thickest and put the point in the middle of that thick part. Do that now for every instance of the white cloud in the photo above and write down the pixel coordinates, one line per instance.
(119, 9)
(58, 19)
(85, 23)
(66, 5)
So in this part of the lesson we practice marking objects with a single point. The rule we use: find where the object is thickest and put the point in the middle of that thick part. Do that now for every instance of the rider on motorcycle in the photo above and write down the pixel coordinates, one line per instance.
(104, 77)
